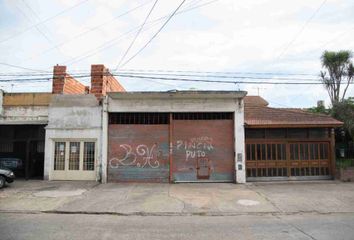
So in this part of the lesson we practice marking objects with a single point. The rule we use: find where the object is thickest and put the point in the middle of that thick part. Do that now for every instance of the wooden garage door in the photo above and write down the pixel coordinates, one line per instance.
(138, 149)
(288, 159)
(203, 147)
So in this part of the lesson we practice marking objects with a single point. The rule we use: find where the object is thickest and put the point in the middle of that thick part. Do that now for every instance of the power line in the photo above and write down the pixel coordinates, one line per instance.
(137, 34)
(223, 72)
(44, 21)
(155, 35)
(222, 76)
(221, 81)
(146, 71)
(20, 67)
(114, 41)
(90, 30)
(301, 30)
(180, 75)
(37, 27)
(177, 79)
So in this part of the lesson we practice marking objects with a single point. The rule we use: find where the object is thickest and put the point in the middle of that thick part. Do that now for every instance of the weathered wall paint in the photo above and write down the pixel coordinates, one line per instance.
(73, 117)
(240, 161)
(186, 104)
(24, 115)
(203, 150)
(27, 99)
(24, 108)
(138, 153)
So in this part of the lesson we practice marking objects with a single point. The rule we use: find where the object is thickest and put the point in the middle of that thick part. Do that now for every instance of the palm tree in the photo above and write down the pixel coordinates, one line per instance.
(338, 71)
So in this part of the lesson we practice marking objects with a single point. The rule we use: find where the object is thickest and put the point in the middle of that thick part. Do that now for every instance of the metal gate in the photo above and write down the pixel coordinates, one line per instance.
(203, 147)
(138, 149)
(288, 160)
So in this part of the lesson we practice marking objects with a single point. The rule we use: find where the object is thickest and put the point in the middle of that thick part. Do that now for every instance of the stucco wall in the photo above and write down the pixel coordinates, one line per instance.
(24, 108)
(24, 115)
(172, 105)
(72, 118)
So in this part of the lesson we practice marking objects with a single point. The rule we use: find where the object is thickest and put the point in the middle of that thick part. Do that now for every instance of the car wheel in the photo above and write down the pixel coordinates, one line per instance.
(2, 181)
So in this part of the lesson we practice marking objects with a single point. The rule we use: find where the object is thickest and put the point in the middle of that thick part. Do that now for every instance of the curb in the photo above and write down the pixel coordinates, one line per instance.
(175, 214)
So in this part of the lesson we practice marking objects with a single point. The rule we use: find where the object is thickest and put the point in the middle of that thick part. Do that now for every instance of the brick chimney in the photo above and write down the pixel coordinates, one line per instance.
(102, 81)
(63, 83)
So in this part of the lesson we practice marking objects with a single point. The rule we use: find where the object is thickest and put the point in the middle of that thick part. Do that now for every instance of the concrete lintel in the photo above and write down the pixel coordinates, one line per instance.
(23, 122)
(178, 94)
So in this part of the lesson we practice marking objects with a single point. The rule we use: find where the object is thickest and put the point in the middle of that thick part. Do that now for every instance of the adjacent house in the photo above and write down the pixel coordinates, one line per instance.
(103, 133)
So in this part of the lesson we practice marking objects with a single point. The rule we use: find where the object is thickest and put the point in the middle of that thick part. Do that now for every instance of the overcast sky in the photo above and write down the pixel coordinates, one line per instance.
(247, 36)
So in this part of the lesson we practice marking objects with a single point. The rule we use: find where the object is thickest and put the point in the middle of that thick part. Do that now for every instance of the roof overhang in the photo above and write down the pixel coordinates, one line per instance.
(294, 125)
(178, 94)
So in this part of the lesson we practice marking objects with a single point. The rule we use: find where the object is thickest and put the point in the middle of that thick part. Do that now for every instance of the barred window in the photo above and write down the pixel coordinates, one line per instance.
(59, 156)
(89, 156)
(74, 156)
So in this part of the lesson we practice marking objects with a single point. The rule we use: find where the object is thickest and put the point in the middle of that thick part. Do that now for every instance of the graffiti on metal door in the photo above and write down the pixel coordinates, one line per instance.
(196, 147)
(140, 156)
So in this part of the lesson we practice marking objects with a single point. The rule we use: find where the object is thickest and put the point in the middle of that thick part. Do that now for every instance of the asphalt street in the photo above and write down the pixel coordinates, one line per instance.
(258, 226)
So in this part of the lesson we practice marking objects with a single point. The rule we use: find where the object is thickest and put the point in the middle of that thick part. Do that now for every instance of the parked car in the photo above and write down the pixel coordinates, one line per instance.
(11, 163)
(6, 176)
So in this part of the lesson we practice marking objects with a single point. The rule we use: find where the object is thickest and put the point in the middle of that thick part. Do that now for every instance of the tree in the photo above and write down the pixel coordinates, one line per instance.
(338, 71)
(344, 111)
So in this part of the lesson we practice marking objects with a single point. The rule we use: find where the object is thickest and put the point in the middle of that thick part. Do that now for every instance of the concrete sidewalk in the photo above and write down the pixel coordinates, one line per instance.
(178, 199)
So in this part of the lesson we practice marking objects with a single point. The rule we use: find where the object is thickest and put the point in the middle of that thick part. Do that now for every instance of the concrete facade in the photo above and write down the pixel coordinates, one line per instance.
(24, 108)
(183, 101)
(73, 118)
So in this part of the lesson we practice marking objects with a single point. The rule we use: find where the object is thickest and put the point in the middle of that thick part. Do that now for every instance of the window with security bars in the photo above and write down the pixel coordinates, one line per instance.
(309, 151)
(89, 156)
(59, 156)
(266, 151)
(74, 156)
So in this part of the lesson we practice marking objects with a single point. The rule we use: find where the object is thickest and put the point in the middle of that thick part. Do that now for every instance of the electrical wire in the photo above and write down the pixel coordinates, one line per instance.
(155, 35)
(44, 21)
(177, 79)
(137, 34)
(179, 75)
(301, 30)
(115, 40)
(20, 67)
(88, 31)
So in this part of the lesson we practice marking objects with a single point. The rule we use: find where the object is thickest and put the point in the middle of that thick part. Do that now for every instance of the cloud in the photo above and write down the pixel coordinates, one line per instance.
(226, 35)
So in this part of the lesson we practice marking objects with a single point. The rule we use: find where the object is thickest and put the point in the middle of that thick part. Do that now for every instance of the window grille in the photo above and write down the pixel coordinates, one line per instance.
(203, 116)
(89, 156)
(59, 156)
(74, 156)
(139, 118)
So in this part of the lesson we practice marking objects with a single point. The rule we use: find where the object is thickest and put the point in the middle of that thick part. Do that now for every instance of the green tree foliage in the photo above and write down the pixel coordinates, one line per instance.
(344, 111)
(338, 72)
(320, 109)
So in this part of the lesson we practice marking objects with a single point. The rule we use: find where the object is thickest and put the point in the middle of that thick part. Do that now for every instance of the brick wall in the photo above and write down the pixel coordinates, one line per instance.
(103, 82)
(63, 83)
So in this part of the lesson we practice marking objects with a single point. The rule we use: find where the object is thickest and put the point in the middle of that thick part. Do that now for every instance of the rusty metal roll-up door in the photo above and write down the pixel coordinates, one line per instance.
(203, 147)
(138, 148)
